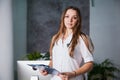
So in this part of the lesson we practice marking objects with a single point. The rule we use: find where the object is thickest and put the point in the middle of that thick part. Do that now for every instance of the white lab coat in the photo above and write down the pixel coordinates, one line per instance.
(64, 63)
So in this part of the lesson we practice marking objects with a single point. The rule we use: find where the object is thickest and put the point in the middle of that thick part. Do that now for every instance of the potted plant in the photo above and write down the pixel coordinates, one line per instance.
(37, 56)
(103, 71)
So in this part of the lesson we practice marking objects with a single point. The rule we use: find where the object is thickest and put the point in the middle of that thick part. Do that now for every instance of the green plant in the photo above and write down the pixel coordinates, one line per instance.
(46, 56)
(103, 71)
(37, 55)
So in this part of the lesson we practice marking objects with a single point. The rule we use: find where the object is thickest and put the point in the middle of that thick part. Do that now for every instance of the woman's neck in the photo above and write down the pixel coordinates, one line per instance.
(67, 33)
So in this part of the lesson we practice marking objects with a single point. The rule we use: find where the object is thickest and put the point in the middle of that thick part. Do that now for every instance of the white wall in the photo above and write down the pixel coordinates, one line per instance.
(20, 25)
(105, 29)
(6, 40)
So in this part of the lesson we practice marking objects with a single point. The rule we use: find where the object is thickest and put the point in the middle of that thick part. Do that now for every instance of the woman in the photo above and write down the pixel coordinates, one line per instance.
(70, 49)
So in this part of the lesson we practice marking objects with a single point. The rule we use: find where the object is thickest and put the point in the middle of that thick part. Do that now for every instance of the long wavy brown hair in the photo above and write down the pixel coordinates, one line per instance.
(62, 29)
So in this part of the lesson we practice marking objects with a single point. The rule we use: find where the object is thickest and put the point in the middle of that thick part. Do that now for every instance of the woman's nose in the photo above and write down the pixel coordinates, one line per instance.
(70, 20)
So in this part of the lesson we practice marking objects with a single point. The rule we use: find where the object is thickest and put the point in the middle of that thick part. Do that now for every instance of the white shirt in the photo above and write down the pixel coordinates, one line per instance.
(62, 60)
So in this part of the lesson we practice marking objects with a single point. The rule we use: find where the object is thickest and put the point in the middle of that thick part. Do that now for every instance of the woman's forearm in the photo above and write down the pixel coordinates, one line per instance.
(85, 68)
(50, 63)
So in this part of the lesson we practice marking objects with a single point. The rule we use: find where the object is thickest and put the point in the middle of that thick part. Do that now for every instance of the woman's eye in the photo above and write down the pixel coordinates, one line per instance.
(66, 16)
(74, 17)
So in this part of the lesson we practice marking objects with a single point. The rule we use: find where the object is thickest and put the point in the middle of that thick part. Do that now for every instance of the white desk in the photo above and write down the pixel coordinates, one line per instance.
(25, 72)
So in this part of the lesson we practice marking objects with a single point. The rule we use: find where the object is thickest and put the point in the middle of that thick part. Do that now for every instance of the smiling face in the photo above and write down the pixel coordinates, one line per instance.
(70, 19)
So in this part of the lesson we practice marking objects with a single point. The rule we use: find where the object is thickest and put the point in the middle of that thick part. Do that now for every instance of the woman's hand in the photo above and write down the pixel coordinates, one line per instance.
(44, 72)
(66, 75)
(63, 76)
